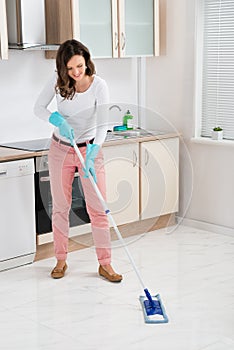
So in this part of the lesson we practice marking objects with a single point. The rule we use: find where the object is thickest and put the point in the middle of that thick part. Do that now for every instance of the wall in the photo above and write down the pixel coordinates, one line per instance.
(24, 75)
(206, 190)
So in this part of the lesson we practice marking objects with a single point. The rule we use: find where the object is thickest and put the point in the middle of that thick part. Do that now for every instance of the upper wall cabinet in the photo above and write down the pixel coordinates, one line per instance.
(117, 28)
(109, 28)
(58, 20)
(138, 28)
(3, 31)
(93, 25)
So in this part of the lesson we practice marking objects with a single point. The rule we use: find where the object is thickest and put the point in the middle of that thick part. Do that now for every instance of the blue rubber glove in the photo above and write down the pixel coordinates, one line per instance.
(91, 153)
(64, 128)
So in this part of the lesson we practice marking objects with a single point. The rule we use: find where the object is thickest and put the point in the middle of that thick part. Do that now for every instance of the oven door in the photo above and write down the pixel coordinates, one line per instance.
(78, 213)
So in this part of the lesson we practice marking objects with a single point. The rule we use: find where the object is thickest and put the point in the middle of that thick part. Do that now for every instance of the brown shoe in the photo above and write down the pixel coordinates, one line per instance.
(110, 277)
(58, 273)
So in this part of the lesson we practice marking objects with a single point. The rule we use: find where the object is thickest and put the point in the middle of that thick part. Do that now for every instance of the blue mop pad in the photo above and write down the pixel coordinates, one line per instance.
(153, 309)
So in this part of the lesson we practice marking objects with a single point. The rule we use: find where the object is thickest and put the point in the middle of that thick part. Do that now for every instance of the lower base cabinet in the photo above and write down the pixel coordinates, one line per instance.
(122, 181)
(142, 179)
(159, 179)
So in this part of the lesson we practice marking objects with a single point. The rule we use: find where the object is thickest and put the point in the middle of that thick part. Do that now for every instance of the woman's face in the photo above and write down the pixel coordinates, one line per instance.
(76, 67)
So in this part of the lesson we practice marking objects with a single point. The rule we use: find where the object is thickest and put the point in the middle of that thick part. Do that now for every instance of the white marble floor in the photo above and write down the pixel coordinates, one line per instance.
(191, 269)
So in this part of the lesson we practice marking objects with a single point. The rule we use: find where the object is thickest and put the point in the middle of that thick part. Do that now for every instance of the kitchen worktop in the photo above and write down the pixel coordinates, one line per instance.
(9, 154)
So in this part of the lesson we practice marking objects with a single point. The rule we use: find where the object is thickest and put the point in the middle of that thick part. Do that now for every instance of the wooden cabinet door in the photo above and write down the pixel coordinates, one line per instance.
(159, 177)
(58, 15)
(122, 179)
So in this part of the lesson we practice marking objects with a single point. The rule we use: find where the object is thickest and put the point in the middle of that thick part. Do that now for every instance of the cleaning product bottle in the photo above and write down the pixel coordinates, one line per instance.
(127, 120)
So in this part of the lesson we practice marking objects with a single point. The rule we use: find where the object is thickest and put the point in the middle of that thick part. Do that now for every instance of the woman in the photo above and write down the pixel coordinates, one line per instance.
(82, 112)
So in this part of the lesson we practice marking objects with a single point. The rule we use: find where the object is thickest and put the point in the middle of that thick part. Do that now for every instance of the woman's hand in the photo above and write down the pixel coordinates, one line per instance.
(64, 128)
(91, 153)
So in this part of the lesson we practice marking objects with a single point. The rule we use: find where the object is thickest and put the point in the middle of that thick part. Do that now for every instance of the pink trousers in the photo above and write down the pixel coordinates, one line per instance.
(62, 165)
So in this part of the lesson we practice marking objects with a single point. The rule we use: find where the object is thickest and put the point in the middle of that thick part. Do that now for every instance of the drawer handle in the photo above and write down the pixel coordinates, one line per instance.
(44, 179)
(3, 172)
(47, 178)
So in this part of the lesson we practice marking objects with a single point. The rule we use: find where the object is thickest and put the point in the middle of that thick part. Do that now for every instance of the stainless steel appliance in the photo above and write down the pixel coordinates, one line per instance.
(43, 199)
(26, 24)
(78, 214)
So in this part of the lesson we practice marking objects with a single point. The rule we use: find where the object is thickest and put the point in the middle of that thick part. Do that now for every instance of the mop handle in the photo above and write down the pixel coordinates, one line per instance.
(107, 211)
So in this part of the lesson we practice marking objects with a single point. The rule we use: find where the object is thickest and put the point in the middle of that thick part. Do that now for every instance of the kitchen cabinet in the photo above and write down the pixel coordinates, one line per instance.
(142, 179)
(138, 28)
(3, 31)
(159, 179)
(93, 25)
(117, 28)
(122, 181)
(58, 17)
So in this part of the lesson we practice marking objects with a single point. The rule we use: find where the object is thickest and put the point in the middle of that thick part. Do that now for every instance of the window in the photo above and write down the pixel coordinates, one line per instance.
(215, 66)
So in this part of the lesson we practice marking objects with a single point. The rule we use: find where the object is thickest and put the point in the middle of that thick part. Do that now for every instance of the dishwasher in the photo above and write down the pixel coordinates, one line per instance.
(17, 213)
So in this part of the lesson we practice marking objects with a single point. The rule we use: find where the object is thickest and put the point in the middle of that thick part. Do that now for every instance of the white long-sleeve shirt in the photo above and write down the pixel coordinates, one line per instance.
(86, 113)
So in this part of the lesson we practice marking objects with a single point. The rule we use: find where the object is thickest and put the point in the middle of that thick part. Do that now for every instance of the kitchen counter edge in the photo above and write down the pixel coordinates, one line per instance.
(10, 154)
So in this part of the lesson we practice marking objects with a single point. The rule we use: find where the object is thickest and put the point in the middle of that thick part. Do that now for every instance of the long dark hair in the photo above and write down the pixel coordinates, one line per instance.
(65, 84)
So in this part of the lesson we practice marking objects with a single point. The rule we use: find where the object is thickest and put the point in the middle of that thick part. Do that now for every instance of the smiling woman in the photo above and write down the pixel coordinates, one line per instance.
(79, 93)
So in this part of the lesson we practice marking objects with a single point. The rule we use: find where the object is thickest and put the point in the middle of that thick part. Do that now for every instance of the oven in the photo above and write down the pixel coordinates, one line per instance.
(43, 200)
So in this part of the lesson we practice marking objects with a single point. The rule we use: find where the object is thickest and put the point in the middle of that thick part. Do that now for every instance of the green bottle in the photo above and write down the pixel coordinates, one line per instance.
(127, 120)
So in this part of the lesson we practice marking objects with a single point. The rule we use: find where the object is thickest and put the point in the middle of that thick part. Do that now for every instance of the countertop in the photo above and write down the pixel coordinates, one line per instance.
(9, 154)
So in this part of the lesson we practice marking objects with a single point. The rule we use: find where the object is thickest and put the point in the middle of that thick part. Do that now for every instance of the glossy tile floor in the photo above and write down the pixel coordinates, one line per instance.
(191, 269)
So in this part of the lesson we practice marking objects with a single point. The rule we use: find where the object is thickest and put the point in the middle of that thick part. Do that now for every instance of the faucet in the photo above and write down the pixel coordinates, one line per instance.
(113, 123)
(115, 106)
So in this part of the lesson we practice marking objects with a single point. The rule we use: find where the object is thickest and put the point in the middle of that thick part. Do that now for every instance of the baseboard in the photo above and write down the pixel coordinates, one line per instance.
(73, 231)
(130, 229)
(202, 225)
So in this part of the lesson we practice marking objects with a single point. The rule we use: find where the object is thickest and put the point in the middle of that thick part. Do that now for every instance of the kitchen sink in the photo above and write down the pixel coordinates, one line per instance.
(119, 135)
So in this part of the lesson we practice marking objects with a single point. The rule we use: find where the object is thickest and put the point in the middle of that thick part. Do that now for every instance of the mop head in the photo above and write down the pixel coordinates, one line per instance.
(154, 311)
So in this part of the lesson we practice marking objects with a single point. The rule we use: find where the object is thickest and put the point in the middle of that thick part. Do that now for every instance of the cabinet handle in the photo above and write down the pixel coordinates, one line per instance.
(123, 41)
(44, 179)
(134, 159)
(116, 41)
(47, 178)
(4, 172)
(146, 157)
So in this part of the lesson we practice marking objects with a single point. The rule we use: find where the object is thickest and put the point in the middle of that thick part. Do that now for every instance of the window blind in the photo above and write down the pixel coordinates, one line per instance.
(218, 67)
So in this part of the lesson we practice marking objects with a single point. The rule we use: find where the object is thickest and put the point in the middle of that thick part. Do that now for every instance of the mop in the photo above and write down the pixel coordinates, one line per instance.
(152, 306)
